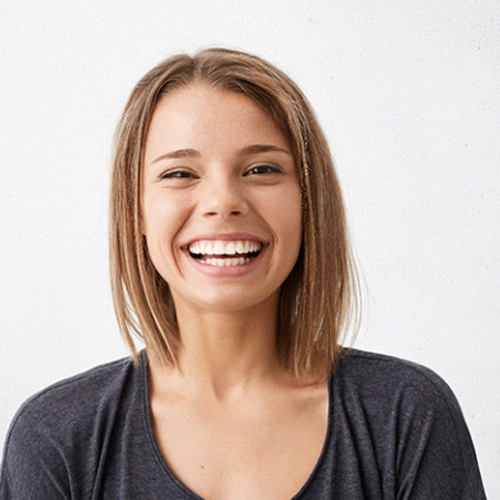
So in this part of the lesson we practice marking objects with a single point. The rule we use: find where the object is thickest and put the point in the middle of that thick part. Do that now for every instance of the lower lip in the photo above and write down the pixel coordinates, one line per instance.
(229, 271)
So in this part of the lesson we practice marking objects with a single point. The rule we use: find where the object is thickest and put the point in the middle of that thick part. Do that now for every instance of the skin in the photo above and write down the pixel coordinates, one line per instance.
(229, 421)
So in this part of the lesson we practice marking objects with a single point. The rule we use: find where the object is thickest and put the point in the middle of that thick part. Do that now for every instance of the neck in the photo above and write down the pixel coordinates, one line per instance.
(224, 353)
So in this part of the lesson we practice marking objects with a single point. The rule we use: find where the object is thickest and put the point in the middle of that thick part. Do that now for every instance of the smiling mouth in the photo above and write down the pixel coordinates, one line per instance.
(225, 253)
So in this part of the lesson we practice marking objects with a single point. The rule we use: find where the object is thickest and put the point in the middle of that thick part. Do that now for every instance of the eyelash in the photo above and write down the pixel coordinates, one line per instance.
(255, 170)
(178, 174)
(263, 169)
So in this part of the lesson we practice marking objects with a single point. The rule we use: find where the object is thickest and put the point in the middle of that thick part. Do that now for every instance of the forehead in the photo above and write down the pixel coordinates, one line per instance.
(200, 116)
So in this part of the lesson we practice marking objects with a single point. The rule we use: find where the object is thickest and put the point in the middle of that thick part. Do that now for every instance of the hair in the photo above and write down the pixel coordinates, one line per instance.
(319, 299)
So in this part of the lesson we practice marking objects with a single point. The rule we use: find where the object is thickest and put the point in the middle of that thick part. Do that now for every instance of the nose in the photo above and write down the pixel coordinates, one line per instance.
(224, 197)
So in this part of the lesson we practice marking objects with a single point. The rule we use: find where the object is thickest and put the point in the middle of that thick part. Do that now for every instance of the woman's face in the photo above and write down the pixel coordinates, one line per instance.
(221, 200)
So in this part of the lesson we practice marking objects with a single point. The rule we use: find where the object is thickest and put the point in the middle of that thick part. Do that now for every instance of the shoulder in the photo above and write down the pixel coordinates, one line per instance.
(61, 430)
(76, 396)
(69, 412)
(406, 416)
(388, 390)
(380, 373)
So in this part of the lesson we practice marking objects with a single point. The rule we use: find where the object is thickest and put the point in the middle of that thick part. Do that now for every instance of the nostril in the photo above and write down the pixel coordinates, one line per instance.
(225, 202)
(226, 211)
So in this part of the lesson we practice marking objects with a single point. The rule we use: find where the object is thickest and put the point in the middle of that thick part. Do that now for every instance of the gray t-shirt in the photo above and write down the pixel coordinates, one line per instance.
(395, 431)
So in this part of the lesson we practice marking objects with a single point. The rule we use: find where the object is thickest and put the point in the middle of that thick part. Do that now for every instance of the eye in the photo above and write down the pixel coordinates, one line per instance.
(263, 169)
(178, 174)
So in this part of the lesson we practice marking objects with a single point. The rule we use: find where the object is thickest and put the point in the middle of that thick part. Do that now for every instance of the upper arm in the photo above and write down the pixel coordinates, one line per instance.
(33, 465)
(436, 457)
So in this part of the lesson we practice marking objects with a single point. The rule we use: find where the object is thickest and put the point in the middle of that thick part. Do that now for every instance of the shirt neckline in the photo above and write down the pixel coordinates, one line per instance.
(148, 422)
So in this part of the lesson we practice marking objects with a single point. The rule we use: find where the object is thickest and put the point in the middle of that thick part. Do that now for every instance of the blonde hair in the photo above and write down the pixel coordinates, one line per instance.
(320, 296)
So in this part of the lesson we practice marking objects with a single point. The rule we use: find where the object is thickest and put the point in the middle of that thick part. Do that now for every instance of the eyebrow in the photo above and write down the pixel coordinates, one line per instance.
(246, 151)
(179, 153)
(261, 148)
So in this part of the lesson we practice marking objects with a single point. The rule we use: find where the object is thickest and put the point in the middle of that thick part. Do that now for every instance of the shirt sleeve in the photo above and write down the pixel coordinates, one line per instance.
(435, 454)
(33, 465)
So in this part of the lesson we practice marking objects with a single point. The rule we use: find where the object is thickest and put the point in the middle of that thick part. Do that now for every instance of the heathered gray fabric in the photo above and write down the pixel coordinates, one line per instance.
(395, 432)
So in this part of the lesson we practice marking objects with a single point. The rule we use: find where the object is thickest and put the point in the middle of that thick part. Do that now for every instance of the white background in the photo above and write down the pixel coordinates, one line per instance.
(407, 92)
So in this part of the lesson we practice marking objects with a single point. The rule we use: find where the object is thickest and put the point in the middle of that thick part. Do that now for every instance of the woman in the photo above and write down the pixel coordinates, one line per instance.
(230, 260)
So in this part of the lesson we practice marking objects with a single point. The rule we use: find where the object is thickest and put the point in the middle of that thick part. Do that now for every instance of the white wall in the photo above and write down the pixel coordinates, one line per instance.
(408, 94)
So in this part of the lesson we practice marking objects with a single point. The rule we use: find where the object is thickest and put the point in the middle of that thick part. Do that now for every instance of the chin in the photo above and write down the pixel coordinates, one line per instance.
(234, 302)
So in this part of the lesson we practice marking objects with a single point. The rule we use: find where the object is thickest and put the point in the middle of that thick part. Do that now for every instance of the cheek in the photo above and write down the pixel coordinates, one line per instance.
(285, 211)
(160, 223)
(292, 213)
(160, 214)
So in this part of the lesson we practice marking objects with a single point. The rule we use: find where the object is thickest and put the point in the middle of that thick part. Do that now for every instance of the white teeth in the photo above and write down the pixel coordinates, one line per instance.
(226, 262)
(230, 248)
(219, 247)
(207, 247)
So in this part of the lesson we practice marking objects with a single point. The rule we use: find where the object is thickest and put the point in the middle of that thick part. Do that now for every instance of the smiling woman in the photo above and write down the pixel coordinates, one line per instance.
(230, 260)
(235, 185)
(189, 118)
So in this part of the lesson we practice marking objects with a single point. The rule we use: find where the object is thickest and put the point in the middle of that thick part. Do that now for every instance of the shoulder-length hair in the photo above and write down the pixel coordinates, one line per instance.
(318, 299)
